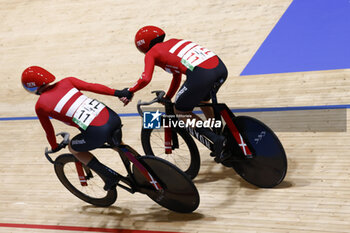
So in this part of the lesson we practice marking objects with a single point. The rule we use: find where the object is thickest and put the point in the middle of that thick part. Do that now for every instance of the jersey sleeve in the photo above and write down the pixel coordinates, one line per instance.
(146, 75)
(175, 84)
(47, 126)
(92, 87)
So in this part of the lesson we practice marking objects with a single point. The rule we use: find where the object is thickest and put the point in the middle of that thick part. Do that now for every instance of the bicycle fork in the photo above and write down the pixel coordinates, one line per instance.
(80, 171)
(170, 140)
(236, 134)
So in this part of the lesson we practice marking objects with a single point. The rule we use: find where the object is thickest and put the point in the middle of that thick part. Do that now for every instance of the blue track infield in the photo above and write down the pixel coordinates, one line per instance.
(311, 35)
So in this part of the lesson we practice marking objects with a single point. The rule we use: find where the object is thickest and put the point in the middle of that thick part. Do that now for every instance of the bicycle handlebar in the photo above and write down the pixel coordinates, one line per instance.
(159, 98)
(62, 145)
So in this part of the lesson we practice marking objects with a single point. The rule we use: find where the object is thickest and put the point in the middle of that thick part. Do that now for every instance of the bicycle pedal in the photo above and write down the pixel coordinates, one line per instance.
(111, 184)
(222, 158)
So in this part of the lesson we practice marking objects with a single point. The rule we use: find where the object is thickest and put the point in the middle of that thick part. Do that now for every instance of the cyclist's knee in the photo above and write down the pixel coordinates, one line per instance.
(83, 156)
(71, 150)
(205, 101)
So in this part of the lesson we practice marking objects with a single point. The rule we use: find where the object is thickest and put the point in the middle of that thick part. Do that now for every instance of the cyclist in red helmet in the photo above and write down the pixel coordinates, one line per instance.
(204, 70)
(64, 101)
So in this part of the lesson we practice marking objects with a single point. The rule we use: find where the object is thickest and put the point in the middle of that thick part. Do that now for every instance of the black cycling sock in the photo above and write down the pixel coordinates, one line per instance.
(101, 169)
(217, 140)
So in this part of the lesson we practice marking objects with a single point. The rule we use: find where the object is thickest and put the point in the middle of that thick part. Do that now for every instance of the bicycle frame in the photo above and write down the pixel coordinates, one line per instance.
(127, 155)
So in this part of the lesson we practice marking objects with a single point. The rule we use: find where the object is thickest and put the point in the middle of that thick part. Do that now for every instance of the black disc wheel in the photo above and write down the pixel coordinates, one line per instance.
(268, 165)
(185, 155)
(178, 192)
(92, 192)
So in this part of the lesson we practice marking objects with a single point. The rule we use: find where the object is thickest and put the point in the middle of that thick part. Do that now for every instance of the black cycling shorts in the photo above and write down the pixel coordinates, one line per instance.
(199, 84)
(95, 136)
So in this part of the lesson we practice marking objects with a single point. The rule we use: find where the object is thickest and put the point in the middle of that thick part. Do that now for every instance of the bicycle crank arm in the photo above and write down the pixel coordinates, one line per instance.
(130, 190)
(129, 185)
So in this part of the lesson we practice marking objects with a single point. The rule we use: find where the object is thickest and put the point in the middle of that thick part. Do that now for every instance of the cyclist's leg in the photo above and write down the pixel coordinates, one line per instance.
(197, 86)
(82, 156)
(207, 110)
(220, 72)
(189, 95)
(87, 158)
(92, 138)
(218, 140)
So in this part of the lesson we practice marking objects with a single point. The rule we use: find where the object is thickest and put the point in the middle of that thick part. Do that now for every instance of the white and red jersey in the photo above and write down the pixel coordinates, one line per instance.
(175, 56)
(63, 100)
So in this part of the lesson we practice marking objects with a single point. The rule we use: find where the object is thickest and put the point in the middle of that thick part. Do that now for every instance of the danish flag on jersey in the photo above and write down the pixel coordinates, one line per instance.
(63, 101)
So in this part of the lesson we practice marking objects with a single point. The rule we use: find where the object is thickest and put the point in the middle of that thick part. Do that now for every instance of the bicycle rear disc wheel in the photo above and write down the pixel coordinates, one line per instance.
(93, 193)
(186, 157)
(179, 194)
(268, 166)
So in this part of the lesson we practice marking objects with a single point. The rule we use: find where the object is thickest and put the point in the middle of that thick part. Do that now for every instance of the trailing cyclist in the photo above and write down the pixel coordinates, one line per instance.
(64, 101)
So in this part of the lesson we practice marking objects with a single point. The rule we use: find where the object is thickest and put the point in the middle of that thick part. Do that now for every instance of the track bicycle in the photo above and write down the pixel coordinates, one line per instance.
(252, 148)
(160, 180)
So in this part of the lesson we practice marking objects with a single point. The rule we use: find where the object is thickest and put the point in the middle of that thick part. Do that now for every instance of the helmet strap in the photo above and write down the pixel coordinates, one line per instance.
(157, 40)
(41, 89)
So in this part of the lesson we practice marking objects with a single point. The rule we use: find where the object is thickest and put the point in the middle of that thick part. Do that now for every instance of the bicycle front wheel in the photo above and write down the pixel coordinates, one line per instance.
(186, 156)
(178, 194)
(268, 165)
(92, 192)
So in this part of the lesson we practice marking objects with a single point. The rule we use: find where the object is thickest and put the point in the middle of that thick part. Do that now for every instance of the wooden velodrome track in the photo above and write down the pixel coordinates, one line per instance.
(93, 40)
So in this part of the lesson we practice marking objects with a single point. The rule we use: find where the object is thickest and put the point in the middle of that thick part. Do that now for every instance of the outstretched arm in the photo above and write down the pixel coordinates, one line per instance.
(126, 94)
(93, 87)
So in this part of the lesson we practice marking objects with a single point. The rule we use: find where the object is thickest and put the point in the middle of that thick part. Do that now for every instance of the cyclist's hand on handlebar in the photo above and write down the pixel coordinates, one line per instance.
(164, 100)
(56, 149)
(63, 144)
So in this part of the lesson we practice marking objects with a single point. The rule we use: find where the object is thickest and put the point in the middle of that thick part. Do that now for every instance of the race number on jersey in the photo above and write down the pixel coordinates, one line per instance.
(86, 112)
(192, 54)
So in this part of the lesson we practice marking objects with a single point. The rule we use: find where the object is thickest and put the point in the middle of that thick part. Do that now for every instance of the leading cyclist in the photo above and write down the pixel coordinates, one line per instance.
(204, 70)
(64, 101)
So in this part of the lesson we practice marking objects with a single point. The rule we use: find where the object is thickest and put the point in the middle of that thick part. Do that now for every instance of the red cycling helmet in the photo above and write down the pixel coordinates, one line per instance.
(34, 77)
(147, 37)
